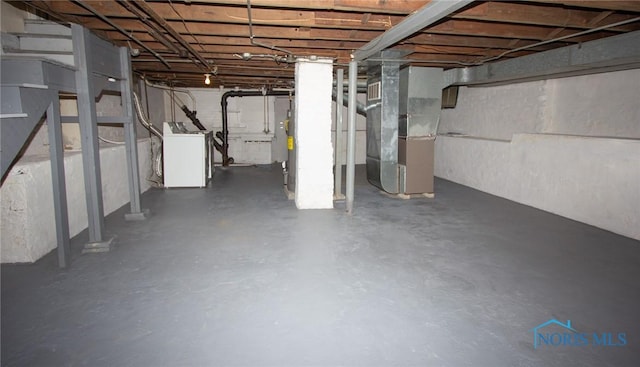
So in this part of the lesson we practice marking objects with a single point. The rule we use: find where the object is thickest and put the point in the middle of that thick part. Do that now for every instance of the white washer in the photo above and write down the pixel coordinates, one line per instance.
(187, 156)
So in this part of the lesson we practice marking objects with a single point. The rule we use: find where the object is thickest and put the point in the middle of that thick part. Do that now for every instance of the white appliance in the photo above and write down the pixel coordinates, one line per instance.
(187, 156)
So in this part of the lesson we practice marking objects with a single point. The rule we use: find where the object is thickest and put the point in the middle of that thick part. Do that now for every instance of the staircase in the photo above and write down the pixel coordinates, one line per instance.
(41, 39)
(30, 63)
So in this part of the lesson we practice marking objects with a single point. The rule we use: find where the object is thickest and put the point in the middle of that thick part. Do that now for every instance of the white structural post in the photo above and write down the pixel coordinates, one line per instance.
(351, 135)
(314, 153)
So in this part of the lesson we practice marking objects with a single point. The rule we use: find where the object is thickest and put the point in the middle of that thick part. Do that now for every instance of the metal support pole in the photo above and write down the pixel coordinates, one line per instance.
(339, 136)
(89, 139)
(351, 135)
(56, 152)
(130, 138)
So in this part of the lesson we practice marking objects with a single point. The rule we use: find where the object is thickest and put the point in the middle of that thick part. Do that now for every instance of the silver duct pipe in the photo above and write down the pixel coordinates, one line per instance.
(361, 83)
(143, 119)
(164, 87)
(360, 108)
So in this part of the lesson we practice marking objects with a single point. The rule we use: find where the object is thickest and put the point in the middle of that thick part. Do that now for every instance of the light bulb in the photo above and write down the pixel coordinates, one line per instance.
(207, 80)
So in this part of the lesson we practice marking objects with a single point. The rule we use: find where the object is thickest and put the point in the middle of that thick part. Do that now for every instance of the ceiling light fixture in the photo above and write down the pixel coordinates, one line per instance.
(207, 79)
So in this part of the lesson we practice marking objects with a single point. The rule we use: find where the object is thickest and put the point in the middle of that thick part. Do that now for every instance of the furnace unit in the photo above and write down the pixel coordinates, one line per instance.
(403, 113)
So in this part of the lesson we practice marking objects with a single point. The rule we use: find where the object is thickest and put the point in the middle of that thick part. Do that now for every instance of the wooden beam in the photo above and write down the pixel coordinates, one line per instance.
(628, 5)
(503, 30)
(468, 41)
(246, 42)
(451, 27)
(238, 15)
(313, 48)
(402, 7)
(523, 13)
(599, 18)
(239, 30)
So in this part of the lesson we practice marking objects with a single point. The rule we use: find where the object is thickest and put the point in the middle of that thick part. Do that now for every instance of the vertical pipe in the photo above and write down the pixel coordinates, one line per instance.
(58, 180)
(131, 141)
(225, 129)
(351, 135)
(339, 143)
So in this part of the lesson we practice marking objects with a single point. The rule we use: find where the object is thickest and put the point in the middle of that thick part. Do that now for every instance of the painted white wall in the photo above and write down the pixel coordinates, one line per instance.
(27, 229)
(156, 112)
(361, 131)
(247, 141)
(314, 151)
(569, 146)
(251, 126)
(108, 105)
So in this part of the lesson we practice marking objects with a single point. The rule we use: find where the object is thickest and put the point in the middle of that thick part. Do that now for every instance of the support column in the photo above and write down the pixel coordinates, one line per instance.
(89, 139)
(130, 138)
(351, 135)
(314, 158)
(56, 153)
(339, 138)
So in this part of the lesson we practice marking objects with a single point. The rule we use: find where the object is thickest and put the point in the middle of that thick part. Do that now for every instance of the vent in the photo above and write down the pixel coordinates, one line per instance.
(450, 97)
(373, 91)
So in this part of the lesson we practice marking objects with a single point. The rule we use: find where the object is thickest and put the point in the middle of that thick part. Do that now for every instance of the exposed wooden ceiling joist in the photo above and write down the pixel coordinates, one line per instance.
(219, 31)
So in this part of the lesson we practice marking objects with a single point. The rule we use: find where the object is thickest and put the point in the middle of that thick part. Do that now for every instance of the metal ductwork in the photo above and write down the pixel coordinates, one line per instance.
(403, 113)
(382, 121)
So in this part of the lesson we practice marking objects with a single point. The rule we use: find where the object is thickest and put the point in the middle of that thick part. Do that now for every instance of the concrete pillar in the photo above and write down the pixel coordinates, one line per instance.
(314, 152)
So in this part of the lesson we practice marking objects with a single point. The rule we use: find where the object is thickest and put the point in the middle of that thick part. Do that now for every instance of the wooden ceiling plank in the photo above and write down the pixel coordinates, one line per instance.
(238, 30)
(599, 18)
(555, 32)
(245, 42)
(525, 13)
(442, 49)
(333, 28)
(477, 28)
(238, 15)
(401, 7)
(452, 27)
(628, 5)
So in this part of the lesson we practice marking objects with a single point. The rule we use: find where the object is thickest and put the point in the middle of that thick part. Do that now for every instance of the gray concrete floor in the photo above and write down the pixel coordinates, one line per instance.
(234, 275)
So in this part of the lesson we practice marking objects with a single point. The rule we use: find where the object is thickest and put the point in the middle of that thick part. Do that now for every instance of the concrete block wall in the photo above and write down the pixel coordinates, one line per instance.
(570, 146)
(108, 105)
(27, 229)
